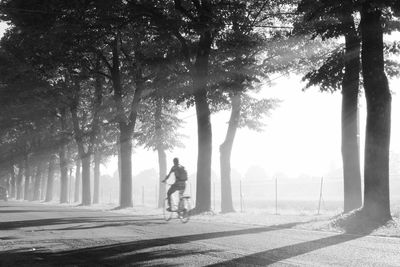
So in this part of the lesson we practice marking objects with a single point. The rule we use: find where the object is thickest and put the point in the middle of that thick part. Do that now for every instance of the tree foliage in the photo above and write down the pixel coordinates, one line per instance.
(160, 131)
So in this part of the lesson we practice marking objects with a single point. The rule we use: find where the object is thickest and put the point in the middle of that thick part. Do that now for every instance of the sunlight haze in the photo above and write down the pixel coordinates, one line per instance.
(301, 137)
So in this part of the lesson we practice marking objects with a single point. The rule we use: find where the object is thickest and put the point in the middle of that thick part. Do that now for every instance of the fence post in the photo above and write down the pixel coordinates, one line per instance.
(134, 195)
(276, 196)
(70, 188)
(241, 196)
(214, 195)
(142, 195)
(320, 195)
(156, 195)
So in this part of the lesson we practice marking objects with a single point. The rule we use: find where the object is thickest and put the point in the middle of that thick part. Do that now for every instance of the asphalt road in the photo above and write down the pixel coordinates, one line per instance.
(44, 235)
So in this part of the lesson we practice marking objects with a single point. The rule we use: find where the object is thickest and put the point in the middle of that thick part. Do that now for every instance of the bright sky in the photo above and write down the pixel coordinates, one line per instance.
(302, 137)
(3, 27)
(295, 138)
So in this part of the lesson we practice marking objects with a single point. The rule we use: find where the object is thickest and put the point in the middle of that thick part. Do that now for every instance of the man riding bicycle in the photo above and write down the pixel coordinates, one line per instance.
(180, 180)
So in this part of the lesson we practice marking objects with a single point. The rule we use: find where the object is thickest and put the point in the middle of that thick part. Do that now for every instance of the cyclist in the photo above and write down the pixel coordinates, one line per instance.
(180, 180)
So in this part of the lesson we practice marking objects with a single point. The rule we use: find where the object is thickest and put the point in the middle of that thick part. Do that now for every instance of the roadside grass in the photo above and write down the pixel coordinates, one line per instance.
(307, 218)
(352, 224)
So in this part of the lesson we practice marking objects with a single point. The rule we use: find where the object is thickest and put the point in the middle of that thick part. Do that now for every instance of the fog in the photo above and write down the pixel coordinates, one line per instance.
(299, 145)
(301, 138)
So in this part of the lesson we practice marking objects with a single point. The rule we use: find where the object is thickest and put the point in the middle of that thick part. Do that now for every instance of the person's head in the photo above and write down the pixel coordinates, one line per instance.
(176, 161)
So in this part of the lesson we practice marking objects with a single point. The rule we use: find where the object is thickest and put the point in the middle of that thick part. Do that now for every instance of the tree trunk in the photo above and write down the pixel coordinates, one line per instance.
(96, 171)
(64, 175)
(85, 148)
(126, 167)
(50, 178)
(20, 177)
(28, 175)
(350, 131)
(7, 184)
(85, 161)
(204, 131)
(38, 181)
(12, 181)
(95, 134)
(162, 157)
(119, 160)
(78, 181)
(126, 123)
(225, 155)
(162, 167)
(86, 196)
(377, 93)
(119, 164)
(125, 138)
(70, 182)
(43, 186)
(63, 159)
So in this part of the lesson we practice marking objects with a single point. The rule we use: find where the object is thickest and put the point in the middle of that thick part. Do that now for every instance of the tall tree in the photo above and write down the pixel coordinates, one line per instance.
(193, 20)
(245, 112)
(62, 155)
(85, 148)
(50, 178)
(159, 131)
(350, 128)
(12, 180)
(65, 66)
(38, 179)
(197, 26)
(28, 177)
(20, 176)
(378, 96)
(78, 181)
(132, 54)
(96, 174)
(247, 53)
(331, 20)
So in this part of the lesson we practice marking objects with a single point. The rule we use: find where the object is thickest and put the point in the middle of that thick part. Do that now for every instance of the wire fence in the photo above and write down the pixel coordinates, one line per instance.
(318, 195)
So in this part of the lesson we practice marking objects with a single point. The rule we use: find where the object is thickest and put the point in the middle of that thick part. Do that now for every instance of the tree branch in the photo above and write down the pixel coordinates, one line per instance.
(126, 54)
(258, 14)
(196, 3)
(185, 48)
(103, 58)
(103, 74)
(181, 9)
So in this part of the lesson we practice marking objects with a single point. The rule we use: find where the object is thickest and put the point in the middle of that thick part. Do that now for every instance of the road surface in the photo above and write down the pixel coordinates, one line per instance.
(45, 235)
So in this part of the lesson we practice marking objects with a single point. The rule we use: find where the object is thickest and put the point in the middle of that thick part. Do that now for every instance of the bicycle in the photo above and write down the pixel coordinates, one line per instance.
(182, 208)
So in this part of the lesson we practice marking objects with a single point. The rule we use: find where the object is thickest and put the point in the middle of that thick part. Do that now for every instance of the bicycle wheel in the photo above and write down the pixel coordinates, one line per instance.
(184, 211)
(167, 214)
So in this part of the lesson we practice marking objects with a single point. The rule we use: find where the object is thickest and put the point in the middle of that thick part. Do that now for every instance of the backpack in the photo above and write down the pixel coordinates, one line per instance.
(181, 174)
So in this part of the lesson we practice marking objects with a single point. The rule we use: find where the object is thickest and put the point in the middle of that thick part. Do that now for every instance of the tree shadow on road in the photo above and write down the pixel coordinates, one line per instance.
(134, 258)
(93, 224)
(273, 256)
(354, 224)
(132, 252)
(28, 211)
(107, 221)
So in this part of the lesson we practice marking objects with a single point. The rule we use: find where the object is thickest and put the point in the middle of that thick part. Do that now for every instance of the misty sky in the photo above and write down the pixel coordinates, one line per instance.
(302, 137)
